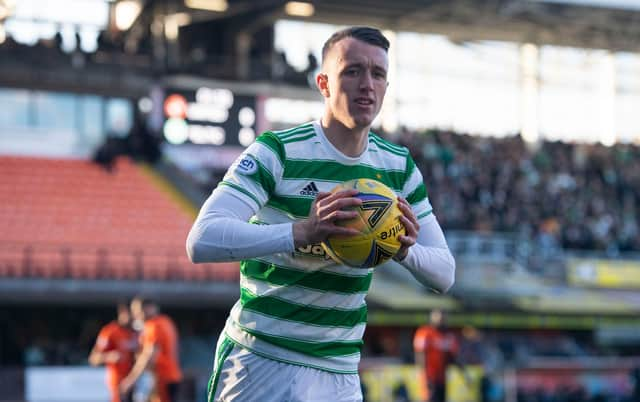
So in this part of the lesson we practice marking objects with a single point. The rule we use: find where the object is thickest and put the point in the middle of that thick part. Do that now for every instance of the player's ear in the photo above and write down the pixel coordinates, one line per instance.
(322, 82)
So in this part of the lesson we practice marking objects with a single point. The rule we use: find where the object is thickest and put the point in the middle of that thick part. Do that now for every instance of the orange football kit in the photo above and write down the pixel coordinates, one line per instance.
(160, 332)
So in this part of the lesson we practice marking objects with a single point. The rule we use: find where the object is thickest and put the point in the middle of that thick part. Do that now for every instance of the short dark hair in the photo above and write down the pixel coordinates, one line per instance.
(122, 305)
(369, 35)
(145, 301)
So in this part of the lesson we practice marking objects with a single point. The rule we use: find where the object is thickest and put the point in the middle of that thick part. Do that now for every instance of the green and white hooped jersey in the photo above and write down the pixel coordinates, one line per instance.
(302, 307)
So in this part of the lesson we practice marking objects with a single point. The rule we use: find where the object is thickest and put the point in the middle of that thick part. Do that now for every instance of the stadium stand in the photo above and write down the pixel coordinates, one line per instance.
(537, 192)
(74, 219)
(515, 214)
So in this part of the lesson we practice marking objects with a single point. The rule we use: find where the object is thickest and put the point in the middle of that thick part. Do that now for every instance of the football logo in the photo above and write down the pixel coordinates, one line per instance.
(378, 255)
(378, 207)
(377, 222)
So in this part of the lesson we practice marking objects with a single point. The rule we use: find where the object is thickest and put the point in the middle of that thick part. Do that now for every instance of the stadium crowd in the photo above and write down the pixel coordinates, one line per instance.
(559, 195)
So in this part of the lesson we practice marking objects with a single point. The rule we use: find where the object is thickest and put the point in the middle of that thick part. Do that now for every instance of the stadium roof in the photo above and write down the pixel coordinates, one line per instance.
(612, 24)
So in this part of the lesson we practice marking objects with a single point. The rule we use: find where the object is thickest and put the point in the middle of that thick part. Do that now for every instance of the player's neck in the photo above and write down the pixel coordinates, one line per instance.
(350, 141)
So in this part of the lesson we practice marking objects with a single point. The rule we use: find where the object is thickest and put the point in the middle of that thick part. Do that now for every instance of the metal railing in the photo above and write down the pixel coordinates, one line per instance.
(62, 261)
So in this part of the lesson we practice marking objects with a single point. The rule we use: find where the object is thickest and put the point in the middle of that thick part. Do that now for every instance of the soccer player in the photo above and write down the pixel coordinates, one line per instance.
(295, 334)
(114, 347)
(434, 349)
(159, 342)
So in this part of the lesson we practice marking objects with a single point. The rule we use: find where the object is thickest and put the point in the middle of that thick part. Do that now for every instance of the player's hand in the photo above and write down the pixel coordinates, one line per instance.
(125, 385)
(411, 226)
(325, 211)
(112, 357)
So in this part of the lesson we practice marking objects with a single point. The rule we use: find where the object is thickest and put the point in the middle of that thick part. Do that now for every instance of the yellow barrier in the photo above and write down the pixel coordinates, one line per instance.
(382, 383)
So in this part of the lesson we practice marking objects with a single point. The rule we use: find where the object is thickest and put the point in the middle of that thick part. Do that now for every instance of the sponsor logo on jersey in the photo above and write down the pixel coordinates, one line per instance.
(310, 189)
(247, 165)
(313, 250)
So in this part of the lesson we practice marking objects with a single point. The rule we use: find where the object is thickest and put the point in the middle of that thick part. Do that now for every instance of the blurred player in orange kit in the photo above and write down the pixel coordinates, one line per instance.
(434, 350)
(159, 353)
(114, 348)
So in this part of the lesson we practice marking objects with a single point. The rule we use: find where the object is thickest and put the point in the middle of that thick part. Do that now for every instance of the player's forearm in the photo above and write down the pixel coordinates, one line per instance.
(229, 239)
(141, 364)
(222, 232)
(429, 260)
(434, 267)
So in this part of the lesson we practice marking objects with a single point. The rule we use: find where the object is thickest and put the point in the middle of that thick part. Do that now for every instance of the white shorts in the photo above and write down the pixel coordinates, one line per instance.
(240, 375)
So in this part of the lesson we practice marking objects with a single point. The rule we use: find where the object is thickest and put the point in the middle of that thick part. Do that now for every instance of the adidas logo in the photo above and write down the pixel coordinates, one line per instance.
(310, 189)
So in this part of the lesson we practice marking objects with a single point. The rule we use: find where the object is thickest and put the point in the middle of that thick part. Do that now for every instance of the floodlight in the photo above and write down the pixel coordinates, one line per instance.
(126, 13)
(299, 9)
(209, 5)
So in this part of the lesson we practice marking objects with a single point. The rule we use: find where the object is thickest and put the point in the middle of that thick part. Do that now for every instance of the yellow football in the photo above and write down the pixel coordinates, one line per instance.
(378, 222)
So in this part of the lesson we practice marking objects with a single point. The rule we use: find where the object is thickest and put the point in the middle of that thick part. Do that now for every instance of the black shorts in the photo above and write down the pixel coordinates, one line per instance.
(436, 392)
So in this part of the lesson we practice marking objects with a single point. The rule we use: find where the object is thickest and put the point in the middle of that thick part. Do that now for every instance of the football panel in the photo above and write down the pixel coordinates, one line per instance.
(391, 245)
(390, 226)
(353, 252)
(379, 253)
(375, 187)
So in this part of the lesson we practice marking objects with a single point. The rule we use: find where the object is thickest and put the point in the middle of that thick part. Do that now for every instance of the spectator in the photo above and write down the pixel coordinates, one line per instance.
(560, 195)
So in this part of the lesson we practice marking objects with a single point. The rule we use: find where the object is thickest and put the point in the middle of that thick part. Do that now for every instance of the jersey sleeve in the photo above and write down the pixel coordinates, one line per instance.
(420, 340)
(149, 335)
(103, 341)
(414, 190)
(255, 173)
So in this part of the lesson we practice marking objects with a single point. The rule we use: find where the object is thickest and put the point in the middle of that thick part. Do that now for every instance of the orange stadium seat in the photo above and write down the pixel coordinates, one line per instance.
(76, 204)
(12, 263)
(155, 267)
(46, 264)
(122, 266)
(192, 272)
(84, 265)
(222, 271)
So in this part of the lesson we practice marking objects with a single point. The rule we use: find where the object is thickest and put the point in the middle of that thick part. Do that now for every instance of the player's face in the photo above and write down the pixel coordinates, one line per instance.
(436, 318)
(137, 310)
(124, 316)
(354, 81)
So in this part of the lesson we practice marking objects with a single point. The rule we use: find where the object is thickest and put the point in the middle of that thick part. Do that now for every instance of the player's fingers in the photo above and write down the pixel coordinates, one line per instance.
(404, 205)
(346, 202)
(321, 196)
(341, 215)
(345, 198)
(344, 231)
(338, 194)
(350, 193)
(407, 211)
(337, 201)
(406, 241)
(402, 200)
(411, 232)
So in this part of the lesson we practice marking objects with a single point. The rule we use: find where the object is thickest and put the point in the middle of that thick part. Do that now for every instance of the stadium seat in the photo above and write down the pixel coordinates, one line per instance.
(84, 265)
(12, 263)
(223, 271)
(46, 264)
(155, 267)
(79, 204)
(122, 266)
